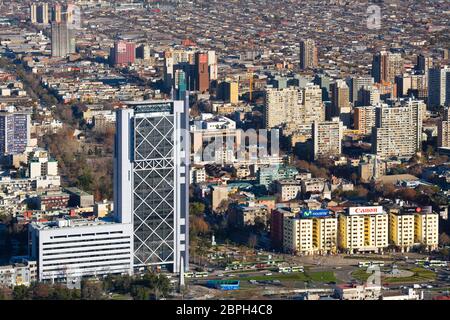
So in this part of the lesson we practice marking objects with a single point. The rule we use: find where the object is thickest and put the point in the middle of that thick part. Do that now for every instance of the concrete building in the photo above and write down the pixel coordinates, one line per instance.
(310, 232)
(386, 66)
(151, 181)
(340, 101)
(363, 229)
(438, 87)
(401, 229)
(426, 229)
(358, 292)
(15, 130)
(20, 273)
(219, 194)
(202, 72)
(123, 53)
(288, 189)
(277, 225)
(444, 130)
(73, 248)
(398, 129)
(229, 91)
(364, 119)
(369, 95)
(371, 167)
(327, 138)
(80, 198)
(41, 165)
(280, 105)
(39, 13)
(248, 214)
(308, 54)
(357, 83)
(63, 39)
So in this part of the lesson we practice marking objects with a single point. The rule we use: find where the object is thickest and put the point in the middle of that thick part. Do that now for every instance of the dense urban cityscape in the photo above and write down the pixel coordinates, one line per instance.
(224, 150)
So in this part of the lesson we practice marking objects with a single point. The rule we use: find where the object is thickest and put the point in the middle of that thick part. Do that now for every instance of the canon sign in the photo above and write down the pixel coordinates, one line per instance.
(365, 210)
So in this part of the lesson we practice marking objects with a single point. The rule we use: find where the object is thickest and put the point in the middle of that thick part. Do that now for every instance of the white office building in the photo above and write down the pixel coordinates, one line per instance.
(73, 248)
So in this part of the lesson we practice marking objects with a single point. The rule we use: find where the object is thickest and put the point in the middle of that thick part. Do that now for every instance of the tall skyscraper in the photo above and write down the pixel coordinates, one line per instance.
(57, 13)
(42, 13)
(202, 71)
(398, 129)
(438, 87)
(123, 53)
(340, 102)
(63, 39)
(386, 65)
(33, 13)
(180, 84)
(14, 132)
(151, 181)
(308, 54)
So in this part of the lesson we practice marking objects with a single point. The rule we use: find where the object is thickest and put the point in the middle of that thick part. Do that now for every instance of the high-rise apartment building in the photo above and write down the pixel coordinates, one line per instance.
(386, 65)
(14, 132)
(357, 84)
(364, 119)
(151, 181)
(310, 232)
(63, 39)
(229, 91)
(426, 229)
(444, 130)
(327, 138)
(33, 13)
(57, 13)
(369, 96)
(280, 105)
(363, 229)
(340, 101)
(308, 54)
(401, 229)
(123, 53)
(438, 87)
(398, 129)
(39, 13)
(312, 107)
(424, 63)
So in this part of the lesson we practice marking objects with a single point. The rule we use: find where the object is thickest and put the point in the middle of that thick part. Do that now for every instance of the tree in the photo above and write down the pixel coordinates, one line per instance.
(40, 291)
(197, 209)
(91, 290)
(6, 293)
(444, 239)
(252, 241)
(21, 293)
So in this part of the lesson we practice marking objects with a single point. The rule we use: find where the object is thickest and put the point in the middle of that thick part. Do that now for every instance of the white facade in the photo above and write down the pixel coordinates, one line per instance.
(76, 248)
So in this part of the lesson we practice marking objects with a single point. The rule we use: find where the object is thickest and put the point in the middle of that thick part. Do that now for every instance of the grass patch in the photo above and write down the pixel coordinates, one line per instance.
(420, 275)
(361, 274)
(368, 258)
(325, 276)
